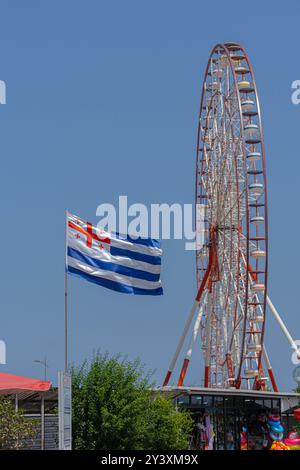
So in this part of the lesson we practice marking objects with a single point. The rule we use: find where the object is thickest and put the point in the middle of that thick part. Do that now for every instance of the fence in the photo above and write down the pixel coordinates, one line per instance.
(50, 432)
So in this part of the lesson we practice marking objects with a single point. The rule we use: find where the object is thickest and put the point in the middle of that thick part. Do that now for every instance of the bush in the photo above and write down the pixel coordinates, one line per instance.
(15, 429)
(113, 408)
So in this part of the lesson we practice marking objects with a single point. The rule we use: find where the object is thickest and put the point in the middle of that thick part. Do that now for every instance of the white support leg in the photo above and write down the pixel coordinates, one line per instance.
(195, 332)
(270, 370)
(208, 341)
(181, 341)
(283, 327)
(191, 344)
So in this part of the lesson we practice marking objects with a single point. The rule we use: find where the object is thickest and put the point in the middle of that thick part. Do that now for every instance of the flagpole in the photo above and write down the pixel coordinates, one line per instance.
(66, 320)
(66, 298)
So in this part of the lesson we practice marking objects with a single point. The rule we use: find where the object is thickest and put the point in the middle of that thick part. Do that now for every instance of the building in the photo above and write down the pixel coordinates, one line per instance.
(228, 419)
(39, 402)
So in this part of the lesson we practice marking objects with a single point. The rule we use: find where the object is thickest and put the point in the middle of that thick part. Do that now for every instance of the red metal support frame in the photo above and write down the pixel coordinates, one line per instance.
(205, 281)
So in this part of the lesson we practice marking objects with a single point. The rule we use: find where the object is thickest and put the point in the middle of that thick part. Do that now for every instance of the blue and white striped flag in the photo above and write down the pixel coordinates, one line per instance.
(121, 263)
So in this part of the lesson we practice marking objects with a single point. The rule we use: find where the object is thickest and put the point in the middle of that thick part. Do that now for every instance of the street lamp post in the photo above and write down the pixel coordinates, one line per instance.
(44, 363)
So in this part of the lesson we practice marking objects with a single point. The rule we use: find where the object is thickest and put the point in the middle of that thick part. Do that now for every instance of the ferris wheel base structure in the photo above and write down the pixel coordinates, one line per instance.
(229, 310)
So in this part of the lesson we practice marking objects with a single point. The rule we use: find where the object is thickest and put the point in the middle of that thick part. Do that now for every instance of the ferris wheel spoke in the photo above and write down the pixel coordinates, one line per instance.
(236, 320)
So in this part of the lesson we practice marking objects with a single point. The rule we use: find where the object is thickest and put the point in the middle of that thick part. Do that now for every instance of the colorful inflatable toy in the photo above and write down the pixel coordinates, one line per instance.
(244, 440)
(276, 433)
(293, 441)
(275, 428)
(278, 445)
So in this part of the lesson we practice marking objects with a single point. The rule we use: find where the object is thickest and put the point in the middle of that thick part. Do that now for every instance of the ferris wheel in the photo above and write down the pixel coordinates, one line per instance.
(231, 190)
(232, 230)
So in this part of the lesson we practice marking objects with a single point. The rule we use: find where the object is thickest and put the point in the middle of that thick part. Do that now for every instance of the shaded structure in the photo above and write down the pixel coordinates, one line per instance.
(230, 418)
(38, 401)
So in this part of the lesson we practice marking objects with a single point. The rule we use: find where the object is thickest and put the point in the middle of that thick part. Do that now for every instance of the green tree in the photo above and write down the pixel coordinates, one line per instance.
(114, 408)
(15, 429)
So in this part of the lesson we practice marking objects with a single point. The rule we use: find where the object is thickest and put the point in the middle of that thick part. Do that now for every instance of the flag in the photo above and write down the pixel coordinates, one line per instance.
(121, 263)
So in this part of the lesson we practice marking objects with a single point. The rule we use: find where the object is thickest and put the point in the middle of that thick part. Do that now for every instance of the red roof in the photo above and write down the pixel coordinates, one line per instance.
(10, 382)
(297, 414)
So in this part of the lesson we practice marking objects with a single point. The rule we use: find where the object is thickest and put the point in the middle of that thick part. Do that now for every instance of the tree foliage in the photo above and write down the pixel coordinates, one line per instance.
(15, 429)
(114, 408)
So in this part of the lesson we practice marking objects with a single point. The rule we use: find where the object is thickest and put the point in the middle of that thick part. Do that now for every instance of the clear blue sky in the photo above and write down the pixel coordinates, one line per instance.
(102, 100)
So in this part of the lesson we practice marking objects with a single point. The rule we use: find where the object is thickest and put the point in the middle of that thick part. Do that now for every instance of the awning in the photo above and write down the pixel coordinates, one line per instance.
(10, 383)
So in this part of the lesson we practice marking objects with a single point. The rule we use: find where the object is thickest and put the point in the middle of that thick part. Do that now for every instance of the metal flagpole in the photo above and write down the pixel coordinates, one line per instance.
(66, 299)
(66, 320)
